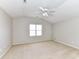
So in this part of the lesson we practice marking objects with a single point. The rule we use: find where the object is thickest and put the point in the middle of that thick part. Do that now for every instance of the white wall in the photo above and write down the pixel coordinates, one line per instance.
(67, 32)
(21, 30)
(5, 33)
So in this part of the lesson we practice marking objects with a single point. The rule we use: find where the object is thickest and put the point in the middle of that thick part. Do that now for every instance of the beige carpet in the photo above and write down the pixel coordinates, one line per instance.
(42, 50)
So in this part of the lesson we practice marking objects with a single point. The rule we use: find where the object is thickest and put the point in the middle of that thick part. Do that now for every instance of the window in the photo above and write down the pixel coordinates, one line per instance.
(35, 30)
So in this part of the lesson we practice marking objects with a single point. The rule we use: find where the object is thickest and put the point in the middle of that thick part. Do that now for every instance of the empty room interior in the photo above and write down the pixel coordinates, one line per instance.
(39, 29)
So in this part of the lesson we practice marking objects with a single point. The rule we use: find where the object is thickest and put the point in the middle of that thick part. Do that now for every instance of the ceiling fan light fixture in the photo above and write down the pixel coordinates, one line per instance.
(42, 8)
(45, 14)
(46, 9)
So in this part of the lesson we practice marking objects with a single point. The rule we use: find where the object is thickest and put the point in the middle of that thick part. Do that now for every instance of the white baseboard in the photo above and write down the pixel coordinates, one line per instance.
(65, 43)
(5, 51)
(31, 42)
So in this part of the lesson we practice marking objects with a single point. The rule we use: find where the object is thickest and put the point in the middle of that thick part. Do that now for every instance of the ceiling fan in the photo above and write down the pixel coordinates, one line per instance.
(46, 12)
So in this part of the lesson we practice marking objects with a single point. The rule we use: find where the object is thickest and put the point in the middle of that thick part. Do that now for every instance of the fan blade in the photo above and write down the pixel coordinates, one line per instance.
(42, 8)
(50, 14)
(45, 14)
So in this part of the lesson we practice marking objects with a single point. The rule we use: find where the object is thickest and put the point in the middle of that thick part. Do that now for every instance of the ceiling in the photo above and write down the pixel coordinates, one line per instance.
(65, 9)
(69, 10)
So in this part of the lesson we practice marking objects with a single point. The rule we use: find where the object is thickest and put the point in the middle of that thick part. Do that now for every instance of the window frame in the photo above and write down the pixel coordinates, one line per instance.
(36, 30)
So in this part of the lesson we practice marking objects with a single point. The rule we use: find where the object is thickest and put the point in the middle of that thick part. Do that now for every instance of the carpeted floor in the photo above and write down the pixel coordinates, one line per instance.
(42, 50)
